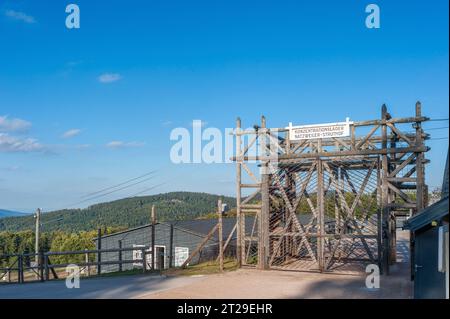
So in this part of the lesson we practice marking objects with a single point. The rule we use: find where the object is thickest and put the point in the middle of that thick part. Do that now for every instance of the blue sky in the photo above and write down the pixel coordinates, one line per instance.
(166, 63)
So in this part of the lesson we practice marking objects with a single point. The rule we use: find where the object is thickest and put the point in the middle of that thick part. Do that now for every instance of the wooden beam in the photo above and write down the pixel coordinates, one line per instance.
(200, 246)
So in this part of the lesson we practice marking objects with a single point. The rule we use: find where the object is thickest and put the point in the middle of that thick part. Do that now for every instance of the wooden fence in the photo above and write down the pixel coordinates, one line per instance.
(18, 265)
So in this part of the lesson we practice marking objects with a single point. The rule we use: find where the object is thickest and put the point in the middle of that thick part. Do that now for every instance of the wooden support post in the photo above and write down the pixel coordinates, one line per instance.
(263, 233)
(120, 255)
(385, 193)
(99, 254)
(220, 235)
(420, 185)
(153, 235)
(171, 247)
(419, 162)
(353, 137)
(392, 199)
(240, 243)
(379, 218)
(320, 215)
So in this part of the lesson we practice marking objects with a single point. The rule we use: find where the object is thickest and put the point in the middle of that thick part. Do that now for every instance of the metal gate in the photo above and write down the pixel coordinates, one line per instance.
(327, 203)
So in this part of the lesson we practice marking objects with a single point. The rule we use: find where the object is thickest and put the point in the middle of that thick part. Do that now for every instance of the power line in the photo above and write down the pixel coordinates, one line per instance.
(120, 184)
(436, 128)
(438, 138)
(146, 190)
(116, 190)
(437, 120)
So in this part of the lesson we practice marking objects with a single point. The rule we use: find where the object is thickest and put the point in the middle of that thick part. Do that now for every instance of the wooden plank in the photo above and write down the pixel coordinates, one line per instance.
(402, 165)
(240, 229)
(367, 137)
(230, 236)
(250, 173)
(401, 134)
(400, 193)
(402, 179)
(258, 185)
(249, 145)
(298, 157)
(249, 198)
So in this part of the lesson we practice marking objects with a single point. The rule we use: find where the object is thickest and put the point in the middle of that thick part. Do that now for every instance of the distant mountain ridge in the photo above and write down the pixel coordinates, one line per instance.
(127, 212)
(10, 213)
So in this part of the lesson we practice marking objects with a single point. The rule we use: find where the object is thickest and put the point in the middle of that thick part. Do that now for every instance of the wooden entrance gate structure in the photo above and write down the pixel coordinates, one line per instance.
(328, 204)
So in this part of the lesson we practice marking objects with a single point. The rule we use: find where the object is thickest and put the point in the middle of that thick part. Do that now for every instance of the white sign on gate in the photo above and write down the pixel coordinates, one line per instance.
(316, 131)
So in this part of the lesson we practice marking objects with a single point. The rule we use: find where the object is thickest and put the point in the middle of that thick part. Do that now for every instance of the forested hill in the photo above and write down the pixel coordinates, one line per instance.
(9, 213)
(128, 212)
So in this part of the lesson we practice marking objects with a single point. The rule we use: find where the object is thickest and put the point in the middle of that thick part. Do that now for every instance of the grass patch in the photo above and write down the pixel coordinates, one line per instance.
(205, 268)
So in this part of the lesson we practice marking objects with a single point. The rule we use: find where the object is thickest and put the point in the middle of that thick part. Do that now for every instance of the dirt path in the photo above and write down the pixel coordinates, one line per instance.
(249, 283)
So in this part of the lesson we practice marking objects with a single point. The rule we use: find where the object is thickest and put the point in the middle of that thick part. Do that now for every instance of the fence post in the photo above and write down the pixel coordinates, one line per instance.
(120, 255)
(41, 265)
(171, 246)
(99, 254)
(88, 267)
(161, 263)
(144, 260)
(47, 270)
(20, 269)
(220, 235)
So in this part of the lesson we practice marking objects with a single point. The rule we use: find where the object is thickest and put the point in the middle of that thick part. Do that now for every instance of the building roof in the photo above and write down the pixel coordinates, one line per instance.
(434, 212)
(201, 227)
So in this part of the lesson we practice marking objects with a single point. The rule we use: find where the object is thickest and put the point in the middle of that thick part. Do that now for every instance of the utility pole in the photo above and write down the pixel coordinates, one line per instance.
(37, 230)
(36, 237)
(153, 237)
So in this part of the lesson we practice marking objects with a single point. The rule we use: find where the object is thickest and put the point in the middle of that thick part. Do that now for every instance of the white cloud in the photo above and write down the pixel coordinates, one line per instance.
(121, 144)
(21, 16)
(13, 125)
(109, 77)
(71, 133)
(12, 144)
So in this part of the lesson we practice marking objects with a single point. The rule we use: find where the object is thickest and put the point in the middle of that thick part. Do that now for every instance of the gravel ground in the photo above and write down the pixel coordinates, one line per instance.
(249, 283)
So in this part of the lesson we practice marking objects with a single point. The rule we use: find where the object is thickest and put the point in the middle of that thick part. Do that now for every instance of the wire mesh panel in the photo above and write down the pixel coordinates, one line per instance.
(323, 215)
(293, 216)
(351, 207)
